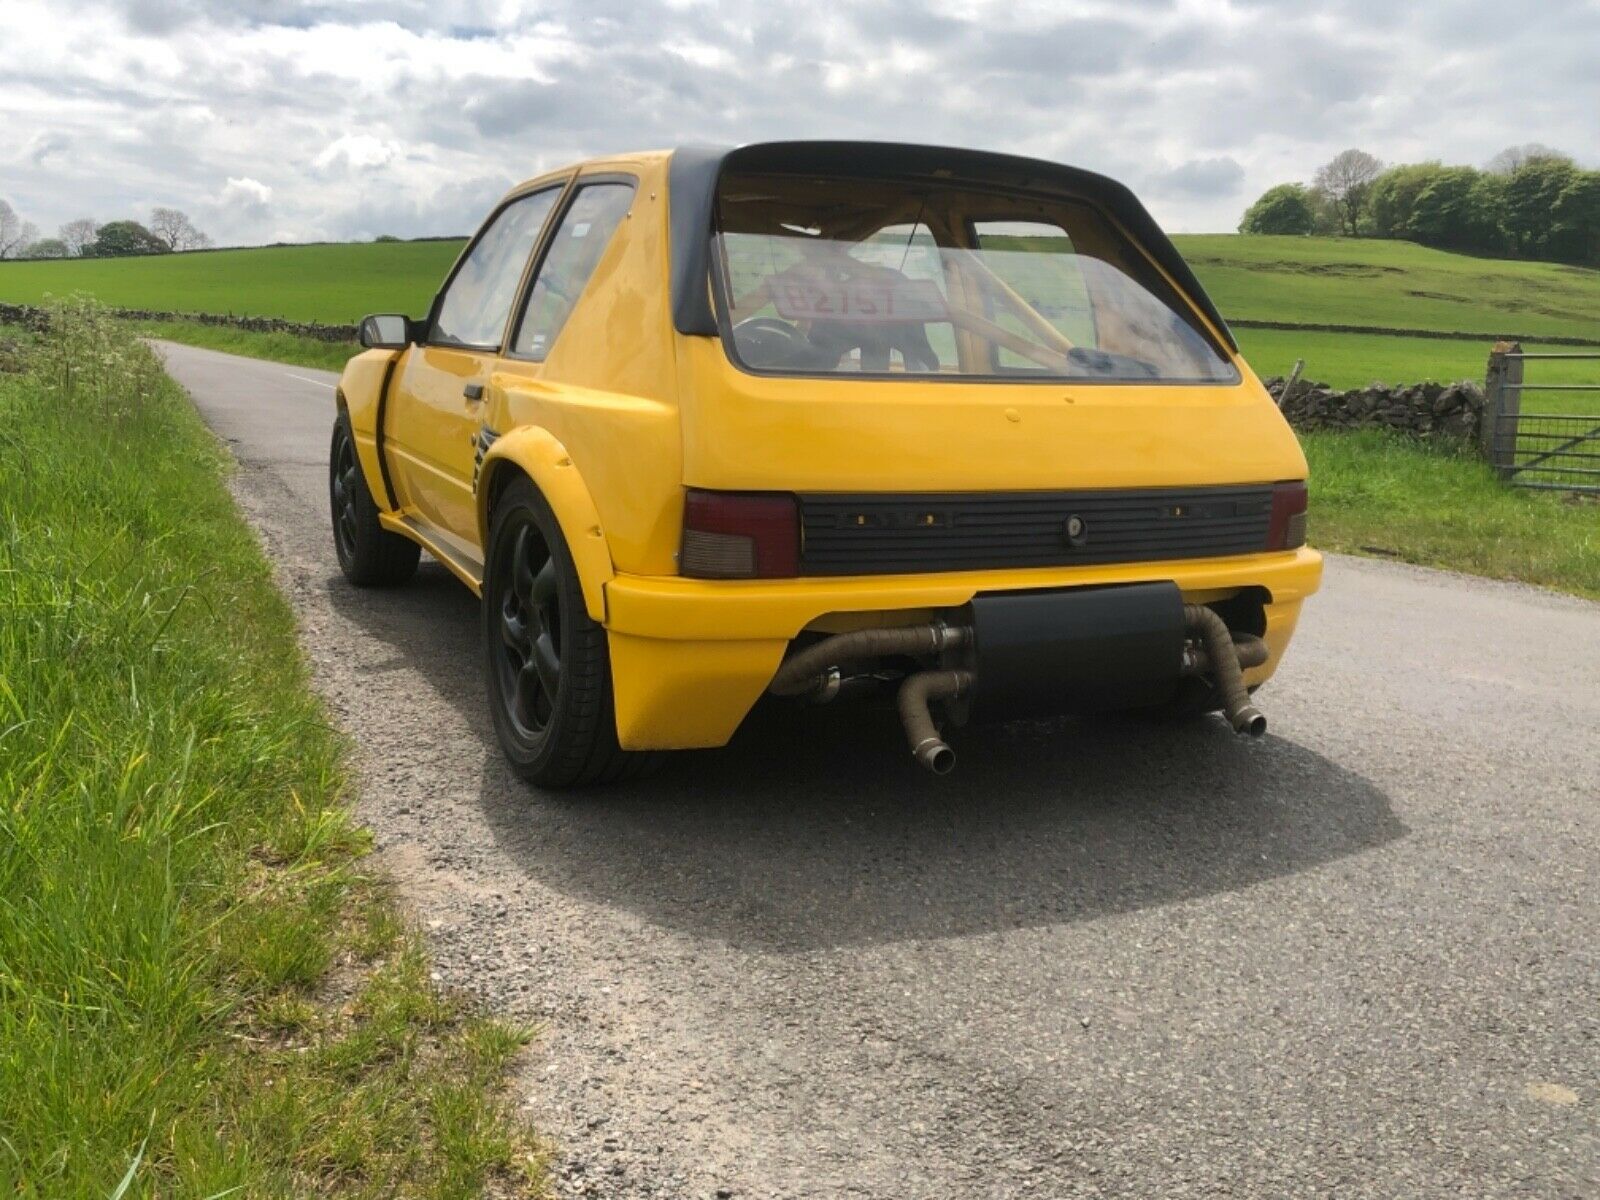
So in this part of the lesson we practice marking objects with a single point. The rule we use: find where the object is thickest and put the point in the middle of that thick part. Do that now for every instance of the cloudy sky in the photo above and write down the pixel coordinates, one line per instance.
(312, 119)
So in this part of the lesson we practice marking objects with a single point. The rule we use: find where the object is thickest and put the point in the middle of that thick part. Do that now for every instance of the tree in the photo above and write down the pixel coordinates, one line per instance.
(119, 238)
(1489, 202)
(1576, 216)
(1324, 212)
(1444, 213)
(1393, 197)
(1347, 178)
(1530, 201)
(47, 248)
(79, 235)
(15, 233)
(1513, 158)
(176, 230)
(27, 235)
(1282, 209)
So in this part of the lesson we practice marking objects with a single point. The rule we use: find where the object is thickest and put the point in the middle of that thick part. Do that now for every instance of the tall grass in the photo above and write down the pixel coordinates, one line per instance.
(177, 874)
(1379, 493)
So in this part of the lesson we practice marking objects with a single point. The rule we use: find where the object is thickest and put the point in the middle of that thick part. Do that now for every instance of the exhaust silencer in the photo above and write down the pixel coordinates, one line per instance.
(1079, 651)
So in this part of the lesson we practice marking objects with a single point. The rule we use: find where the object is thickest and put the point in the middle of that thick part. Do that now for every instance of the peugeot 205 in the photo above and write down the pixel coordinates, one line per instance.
(822, 419)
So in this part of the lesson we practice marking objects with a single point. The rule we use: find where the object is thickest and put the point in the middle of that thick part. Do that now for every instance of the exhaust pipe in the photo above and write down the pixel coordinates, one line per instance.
(809, 671)
(1252, 652)
(817, 672)
(1223, 658)
(927, 747)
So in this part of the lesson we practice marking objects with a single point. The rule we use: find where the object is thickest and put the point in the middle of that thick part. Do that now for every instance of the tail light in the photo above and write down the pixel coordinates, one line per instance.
(740, 535)
(1288, 526)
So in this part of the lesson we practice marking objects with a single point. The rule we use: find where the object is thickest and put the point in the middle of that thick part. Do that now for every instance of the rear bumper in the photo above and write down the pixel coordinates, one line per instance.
(690, 657)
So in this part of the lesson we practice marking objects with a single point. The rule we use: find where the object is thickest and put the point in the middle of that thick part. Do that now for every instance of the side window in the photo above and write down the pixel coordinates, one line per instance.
(574, 251)
(1038, 261)
(479, 298)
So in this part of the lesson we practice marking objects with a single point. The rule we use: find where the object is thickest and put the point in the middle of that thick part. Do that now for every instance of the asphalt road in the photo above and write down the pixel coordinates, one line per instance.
(1359, 957)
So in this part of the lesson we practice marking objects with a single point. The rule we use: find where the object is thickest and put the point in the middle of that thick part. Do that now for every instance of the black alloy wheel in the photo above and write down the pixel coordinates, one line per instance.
(548, 661)
(345, 479)
(529, 662)
(369, 554)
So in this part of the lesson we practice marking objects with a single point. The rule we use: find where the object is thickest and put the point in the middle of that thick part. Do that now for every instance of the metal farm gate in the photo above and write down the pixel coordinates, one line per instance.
(1553, 451)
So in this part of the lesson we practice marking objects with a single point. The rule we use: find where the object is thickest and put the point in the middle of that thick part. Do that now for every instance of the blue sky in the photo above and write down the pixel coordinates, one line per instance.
(300, 119)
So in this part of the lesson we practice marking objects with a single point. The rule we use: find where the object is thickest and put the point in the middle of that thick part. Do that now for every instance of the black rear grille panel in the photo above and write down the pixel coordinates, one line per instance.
(877, 534)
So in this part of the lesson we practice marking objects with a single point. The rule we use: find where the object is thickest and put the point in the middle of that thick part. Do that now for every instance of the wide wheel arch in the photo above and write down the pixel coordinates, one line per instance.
(536, 455)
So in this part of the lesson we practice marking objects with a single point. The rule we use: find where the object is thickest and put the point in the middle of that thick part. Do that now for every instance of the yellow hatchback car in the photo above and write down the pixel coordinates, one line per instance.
(824, 419)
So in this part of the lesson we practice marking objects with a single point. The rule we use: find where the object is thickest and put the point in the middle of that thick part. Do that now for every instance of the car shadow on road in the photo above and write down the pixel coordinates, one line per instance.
(813, 828)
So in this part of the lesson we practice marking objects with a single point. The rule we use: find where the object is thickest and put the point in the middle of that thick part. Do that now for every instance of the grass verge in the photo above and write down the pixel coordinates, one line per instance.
(1381, 494)
(200, 987)
(274, 347)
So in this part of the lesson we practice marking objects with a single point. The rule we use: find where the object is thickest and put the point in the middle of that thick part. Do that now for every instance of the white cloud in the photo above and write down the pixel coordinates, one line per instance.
(354, 152)
(245, 198)
(335, 118)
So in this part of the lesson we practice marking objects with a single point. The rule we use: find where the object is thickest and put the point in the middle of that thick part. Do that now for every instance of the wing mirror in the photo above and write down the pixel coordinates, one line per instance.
(386, 331)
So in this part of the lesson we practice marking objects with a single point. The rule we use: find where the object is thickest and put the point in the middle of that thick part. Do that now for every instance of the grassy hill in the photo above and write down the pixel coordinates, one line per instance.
(1397, 285)
(336, 283)
(1377, 284)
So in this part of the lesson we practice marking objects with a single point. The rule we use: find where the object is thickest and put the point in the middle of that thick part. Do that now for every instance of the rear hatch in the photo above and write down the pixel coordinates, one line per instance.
(945, 355)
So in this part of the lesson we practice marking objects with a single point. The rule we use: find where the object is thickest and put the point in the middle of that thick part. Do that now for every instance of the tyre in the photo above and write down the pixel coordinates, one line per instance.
(369, 555)
(548, 666)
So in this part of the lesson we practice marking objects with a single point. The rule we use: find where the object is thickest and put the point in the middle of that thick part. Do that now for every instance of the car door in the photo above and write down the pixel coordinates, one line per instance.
(438, 396)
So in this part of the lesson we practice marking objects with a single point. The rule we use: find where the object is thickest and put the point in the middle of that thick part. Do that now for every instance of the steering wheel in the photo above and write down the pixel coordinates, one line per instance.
(769, 341)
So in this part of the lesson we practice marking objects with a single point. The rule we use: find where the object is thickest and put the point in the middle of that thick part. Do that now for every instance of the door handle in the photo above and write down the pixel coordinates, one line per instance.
(473, 391)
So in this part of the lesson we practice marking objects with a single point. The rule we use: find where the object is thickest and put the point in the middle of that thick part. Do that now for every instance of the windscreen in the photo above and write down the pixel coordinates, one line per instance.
(873, 277)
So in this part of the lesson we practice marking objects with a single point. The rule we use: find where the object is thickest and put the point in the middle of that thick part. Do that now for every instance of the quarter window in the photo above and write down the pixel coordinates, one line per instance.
(478, 299)
(574, 252)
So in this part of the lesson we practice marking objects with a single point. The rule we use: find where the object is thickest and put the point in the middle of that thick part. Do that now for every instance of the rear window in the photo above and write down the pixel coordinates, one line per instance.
(873, 277)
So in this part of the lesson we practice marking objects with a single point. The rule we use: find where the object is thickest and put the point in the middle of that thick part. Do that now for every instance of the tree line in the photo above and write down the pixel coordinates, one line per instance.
(1528, 201)
(169, 231)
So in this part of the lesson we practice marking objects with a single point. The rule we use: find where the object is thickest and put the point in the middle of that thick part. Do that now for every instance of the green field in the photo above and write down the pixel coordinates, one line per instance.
(1302, 280)
(1305, 280)
(1391, 285)
(336, 284)
(1347, 360)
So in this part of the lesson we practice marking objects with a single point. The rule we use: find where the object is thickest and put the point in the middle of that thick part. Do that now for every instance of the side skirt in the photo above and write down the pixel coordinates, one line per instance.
(460, 561)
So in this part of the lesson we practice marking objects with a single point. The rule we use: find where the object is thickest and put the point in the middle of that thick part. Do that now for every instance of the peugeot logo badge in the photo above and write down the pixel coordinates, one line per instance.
(1075, 531)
